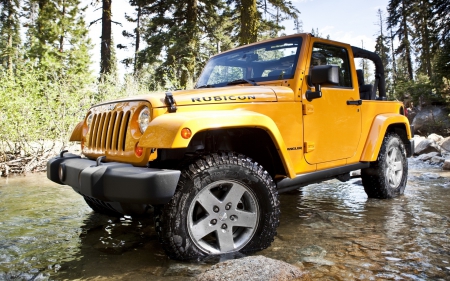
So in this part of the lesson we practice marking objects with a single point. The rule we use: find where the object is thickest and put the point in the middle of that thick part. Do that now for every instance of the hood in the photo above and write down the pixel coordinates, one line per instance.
(232, 94)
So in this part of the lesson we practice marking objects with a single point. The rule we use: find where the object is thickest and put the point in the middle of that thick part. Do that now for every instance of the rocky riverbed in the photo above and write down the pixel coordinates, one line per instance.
(328, 231)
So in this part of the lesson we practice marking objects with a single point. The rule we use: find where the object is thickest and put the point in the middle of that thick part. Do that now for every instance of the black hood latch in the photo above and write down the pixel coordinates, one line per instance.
(170, 102)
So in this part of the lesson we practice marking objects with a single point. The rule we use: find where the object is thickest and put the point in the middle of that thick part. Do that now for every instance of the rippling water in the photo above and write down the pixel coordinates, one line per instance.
(331, 229)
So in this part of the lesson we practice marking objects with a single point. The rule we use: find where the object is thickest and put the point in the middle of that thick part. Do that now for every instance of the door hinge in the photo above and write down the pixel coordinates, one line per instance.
(308, 109)
(309, 146)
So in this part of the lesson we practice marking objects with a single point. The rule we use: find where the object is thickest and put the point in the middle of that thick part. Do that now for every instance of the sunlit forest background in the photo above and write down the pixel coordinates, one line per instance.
(46, 84)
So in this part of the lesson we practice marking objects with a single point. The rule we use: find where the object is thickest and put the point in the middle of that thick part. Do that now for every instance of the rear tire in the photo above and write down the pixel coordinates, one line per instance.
(223, 204)
(386, 177)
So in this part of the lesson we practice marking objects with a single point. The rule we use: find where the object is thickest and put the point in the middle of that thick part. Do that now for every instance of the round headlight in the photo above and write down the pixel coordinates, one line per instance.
(89, 120)
(144, 119)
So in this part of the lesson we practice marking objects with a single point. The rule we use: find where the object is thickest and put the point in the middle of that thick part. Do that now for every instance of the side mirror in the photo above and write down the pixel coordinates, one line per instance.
(322, 74)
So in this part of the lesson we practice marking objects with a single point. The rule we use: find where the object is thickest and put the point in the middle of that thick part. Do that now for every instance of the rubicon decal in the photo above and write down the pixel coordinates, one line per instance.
(223, 98)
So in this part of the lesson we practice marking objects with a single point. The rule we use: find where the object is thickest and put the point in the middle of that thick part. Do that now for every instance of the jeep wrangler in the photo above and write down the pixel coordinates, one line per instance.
(264, 118)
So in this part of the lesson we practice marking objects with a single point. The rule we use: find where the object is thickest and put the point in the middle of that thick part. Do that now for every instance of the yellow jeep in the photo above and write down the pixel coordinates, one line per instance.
(263, 119)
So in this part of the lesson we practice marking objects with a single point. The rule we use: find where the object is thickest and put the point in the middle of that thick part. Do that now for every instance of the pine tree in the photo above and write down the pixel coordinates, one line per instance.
(9, 33)
(441, 19)
(135, 35)
(399, 15)
(424, 36)
(249, 22)
(382, 49)
(257, 20)
(179, 31)
(57, 40)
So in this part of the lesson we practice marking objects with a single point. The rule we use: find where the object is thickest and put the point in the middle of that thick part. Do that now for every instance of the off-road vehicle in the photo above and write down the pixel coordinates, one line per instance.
(262, 119)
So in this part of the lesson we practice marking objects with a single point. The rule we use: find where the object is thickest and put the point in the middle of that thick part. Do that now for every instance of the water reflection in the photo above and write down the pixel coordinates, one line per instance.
(331, 229)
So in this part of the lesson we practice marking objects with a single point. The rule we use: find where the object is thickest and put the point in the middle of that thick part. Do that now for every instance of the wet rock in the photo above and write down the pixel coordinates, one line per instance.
(186, 270)
(317, 260)
(313, 251)
(429, 176)
(435, 230)
(426, 146)
(428, 156)
(446, 165)
(437, 160)
(314, 254)
(253, 268)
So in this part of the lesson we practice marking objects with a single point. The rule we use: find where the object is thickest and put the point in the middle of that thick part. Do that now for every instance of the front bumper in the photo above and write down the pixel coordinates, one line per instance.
(113, 182)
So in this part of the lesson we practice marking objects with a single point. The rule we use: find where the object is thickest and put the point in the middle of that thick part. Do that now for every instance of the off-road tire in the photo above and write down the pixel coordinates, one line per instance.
(175, 221)
(386, 177)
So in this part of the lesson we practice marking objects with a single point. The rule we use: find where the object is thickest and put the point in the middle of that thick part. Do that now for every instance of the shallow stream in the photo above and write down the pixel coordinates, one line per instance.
(332, 230)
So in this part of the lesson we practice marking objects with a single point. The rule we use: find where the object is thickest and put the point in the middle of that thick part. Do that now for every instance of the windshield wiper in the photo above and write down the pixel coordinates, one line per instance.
(242, 81)
(205, 86)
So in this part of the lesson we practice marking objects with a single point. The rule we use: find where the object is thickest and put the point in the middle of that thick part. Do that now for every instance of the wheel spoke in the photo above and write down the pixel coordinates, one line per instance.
(207, 200)
(393, 155)
(226, 242)
(397, 166)
(235, 194)
(245, 219)
(202, 228)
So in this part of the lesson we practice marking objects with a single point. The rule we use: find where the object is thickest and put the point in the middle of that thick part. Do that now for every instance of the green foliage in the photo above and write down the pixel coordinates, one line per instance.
(38, 106)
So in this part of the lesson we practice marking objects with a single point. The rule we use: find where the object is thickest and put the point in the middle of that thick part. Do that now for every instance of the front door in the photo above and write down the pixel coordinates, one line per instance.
(332, 128)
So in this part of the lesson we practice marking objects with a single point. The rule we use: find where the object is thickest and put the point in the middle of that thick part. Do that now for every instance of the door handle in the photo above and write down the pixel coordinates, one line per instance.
(354, 102)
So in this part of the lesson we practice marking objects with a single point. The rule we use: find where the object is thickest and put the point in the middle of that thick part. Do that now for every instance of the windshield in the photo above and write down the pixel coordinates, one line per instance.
(264, 62)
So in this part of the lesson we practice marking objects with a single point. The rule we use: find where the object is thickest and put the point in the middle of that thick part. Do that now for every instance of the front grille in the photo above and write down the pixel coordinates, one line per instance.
(108, 131)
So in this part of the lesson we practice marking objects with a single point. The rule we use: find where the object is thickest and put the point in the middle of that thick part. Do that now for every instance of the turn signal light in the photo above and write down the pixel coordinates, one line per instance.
(186, 133)
(138, 150)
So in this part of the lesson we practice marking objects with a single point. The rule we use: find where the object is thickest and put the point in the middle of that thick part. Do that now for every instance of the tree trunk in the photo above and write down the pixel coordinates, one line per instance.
(249, 22)
(10, 38)
(105, 51)
(138, 38)
(187, 72)
(61, 38)
(394, 66)
(406, 41)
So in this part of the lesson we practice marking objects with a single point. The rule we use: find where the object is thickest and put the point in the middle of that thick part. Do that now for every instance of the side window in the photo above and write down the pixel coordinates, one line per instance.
(324, 54)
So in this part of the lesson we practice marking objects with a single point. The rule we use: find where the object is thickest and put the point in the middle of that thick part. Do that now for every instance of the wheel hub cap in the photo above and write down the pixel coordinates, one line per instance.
(234, 205)
(223, 216)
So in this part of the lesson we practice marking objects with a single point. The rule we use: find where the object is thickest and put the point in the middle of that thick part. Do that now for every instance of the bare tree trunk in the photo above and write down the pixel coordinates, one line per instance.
(61, 38)
(138, 38)
(394, 66)
(105, 51)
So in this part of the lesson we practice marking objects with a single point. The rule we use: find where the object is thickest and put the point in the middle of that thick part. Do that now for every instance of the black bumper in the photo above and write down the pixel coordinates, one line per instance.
(113, 182)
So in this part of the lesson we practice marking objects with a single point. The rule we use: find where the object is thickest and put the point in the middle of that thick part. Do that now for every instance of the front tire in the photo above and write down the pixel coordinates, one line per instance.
(224, 203)
(386, 178)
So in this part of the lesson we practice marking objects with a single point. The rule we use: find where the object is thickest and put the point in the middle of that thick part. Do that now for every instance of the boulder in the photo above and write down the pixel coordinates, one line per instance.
(445, 144)
(437, 138)
(446, 165)
(426, 146)
(417, 140)
(428, 156)
(431, 119)
(254, 268)
(437, 160)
